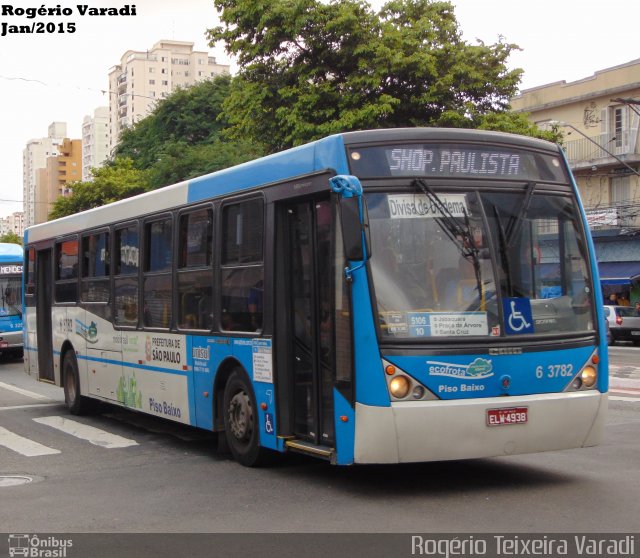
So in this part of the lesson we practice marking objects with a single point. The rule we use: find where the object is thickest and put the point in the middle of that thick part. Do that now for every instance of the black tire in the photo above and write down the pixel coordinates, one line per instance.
(241, 427)
(76, 403)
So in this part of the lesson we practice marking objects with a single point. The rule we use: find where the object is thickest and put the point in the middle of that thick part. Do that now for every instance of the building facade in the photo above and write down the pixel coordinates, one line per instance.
(600, 119)
(54, 180)
(142, 78)
(34, 157)
(95, 141)
(13, 223)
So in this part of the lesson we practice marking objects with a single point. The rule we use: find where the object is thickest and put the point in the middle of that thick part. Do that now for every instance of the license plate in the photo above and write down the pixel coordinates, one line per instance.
(511, 415)
(635, 333)
(4, 344)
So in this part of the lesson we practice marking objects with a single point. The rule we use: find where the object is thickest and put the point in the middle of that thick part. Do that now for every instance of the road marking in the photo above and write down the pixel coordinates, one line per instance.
(85, 432)
(23, 445)
(630, 399)
(23, 391)
(33, 405)
(629, 391)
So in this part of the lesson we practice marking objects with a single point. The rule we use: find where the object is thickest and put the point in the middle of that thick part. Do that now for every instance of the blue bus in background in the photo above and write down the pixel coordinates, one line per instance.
(11, 260)
(383, 296)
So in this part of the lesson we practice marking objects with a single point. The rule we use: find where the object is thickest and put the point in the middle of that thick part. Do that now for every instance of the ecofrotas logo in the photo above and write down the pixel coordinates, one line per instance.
(38, 547)
(479, 369)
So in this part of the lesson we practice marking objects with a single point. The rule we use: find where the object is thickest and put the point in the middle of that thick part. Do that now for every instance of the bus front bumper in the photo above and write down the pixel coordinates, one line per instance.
(457, 429)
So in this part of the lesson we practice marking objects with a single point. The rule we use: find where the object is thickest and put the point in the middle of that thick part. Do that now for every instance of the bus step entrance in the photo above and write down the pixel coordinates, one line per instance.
(308, 448)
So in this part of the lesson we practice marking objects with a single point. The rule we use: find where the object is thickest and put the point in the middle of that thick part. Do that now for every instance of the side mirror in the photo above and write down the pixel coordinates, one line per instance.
(355, 228)
(353, 218)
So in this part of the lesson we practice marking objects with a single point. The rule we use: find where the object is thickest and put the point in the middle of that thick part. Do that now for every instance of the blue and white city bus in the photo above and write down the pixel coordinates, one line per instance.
(385, 296)
(11, 256)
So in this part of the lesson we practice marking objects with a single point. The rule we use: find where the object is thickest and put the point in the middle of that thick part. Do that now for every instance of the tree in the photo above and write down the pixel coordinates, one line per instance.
(181, 139)
(517, 123)
(310, 68)
(189, 115)
(111, 183)
(11, 238)
(181, 161)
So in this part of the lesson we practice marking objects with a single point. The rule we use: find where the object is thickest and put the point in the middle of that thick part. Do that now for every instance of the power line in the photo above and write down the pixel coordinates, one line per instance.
(92, 89)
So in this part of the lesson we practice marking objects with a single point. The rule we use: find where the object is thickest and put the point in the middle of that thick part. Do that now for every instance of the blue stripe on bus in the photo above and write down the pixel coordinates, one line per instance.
(371, 386)
(345, 429)
(603, 351)
(328, 153)
(11, 253)
(133, 365)
(10, 324)
(120, 363)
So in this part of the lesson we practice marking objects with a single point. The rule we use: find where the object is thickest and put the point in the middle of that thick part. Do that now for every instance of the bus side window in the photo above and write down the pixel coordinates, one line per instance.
(30, 277)
(126, 263)
(95, 268)
(242, 266)
(195, 271)
(157, 280)
(66, 265)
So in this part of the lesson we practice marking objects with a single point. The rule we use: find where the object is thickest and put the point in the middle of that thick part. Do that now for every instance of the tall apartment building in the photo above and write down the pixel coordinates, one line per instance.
(142, 78)
(600, 118)
(13, 223)
(53, 181)
(34, 157)
(95, 141)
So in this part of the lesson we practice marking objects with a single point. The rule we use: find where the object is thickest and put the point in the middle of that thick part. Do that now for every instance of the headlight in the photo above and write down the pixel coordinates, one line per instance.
(399, 386)
(588, 376)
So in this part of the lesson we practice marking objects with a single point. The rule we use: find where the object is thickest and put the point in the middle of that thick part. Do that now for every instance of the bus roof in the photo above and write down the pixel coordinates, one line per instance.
(10, 253)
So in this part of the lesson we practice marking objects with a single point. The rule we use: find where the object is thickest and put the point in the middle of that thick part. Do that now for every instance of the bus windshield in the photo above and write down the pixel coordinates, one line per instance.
(476, 263)
(11, 294)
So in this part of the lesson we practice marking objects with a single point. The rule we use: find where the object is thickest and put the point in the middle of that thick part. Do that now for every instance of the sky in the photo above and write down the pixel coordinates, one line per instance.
(56, 76)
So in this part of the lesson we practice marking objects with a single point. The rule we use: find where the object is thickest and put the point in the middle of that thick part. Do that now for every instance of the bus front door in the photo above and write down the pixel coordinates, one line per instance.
(44, 298)
(308, 266)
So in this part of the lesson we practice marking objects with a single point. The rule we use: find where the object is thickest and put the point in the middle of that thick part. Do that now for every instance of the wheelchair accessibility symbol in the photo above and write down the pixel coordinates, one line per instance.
(517, 315)
(268, 423)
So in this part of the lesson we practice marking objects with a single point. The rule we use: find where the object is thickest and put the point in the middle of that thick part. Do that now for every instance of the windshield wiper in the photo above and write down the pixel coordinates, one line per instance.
(460, 235)
(504, 256)
(516, 221)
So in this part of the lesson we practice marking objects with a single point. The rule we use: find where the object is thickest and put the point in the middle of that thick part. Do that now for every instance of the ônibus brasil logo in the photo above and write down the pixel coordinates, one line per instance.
(479, 369)
(38, 547)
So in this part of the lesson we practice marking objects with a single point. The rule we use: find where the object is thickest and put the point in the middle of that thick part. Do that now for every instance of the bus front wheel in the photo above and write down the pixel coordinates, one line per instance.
(76, 403)
(241, 422)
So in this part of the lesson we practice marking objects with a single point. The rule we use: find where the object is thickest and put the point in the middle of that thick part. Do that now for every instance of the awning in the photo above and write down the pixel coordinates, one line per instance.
(618, 273)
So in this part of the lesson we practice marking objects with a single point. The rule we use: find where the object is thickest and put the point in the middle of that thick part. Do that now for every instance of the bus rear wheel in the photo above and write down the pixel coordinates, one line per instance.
(241, 422)
(76, 403)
